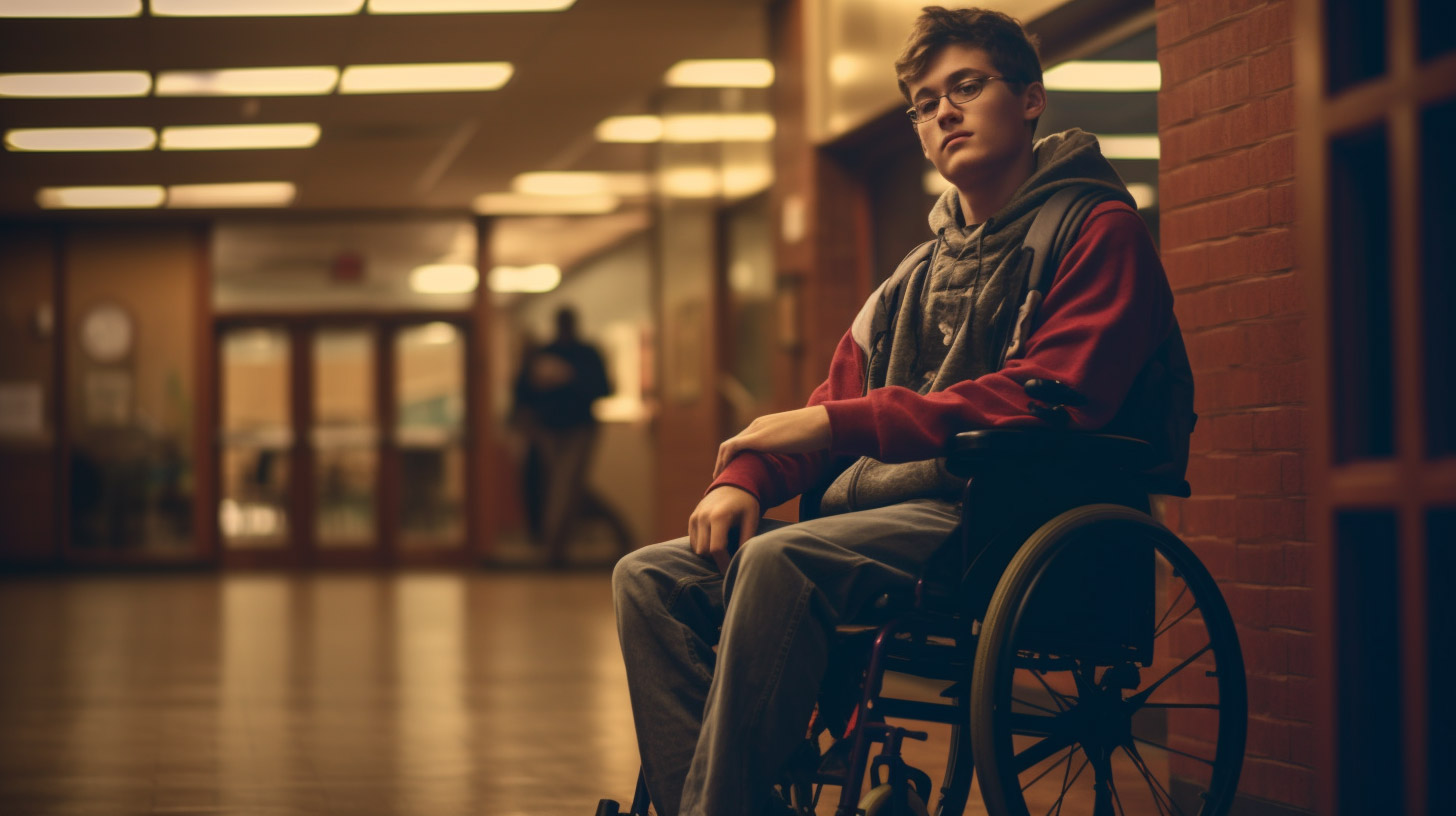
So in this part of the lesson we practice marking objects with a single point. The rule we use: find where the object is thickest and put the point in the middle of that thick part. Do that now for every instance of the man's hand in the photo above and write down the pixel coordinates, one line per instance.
(721, 513)
(799, 431)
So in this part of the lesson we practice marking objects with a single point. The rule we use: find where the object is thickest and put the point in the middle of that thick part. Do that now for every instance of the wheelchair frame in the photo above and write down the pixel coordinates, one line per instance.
(974, 630)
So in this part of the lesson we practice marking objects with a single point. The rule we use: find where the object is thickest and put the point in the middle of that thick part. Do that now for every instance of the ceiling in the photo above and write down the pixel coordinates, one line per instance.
(378, 153)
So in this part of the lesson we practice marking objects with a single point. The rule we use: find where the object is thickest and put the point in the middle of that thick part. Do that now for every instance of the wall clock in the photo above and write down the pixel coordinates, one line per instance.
(107, 333)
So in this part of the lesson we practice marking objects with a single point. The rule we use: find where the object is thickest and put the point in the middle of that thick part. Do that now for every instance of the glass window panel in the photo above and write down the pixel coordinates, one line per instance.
(1438, 290)
(430, 390)
(345, 437)
(1437, 27)
(257, 437)
(430, 401)
(1370, 766)
(1356, 39)
(1360, 306)
(1440, 658)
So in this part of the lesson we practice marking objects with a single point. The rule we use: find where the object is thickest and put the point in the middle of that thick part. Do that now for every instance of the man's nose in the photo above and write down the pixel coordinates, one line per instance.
(946, 109)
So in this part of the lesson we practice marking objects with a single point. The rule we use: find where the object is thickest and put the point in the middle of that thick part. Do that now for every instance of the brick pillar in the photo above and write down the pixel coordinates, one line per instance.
(1226, 121)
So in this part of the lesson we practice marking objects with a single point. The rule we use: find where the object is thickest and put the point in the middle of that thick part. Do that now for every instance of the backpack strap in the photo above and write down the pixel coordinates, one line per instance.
(1055, 228)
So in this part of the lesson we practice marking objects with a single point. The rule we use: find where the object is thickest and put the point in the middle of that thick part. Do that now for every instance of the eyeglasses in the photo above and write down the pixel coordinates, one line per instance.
(964, 91)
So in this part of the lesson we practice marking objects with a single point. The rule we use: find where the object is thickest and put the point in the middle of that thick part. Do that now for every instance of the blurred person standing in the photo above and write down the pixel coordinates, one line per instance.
(555, 389)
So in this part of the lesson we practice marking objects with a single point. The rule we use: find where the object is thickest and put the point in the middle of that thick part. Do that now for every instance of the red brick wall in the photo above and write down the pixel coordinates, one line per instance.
(1226, 118)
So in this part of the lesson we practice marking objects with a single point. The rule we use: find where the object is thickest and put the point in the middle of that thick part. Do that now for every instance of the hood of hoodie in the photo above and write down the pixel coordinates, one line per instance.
(948, 317)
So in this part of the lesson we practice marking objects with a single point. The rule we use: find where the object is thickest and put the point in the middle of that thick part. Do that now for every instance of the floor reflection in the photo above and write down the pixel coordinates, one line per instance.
(412, 693)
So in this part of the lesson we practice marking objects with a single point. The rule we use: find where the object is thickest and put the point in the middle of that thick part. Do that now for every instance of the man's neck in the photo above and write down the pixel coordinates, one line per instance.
(987, 195)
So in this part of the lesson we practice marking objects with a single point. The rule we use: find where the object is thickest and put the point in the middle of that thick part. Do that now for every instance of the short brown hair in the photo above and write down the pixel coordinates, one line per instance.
(1011, 47)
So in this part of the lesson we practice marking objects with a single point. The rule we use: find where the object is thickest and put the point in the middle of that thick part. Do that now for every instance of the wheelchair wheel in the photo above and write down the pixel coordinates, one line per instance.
(1108, 678)
(879, 802)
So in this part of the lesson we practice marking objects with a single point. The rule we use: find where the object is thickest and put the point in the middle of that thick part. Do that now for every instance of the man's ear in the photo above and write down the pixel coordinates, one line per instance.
(1034, 101)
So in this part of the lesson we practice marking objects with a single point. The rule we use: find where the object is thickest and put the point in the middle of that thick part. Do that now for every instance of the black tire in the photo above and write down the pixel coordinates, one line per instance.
(1068, 574)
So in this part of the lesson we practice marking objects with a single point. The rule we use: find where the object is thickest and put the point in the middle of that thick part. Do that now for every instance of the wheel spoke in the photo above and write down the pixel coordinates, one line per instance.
(1030, 704)
(1066, 779)
(1164, 629)
(1142, 696)
(1041, 751)
(1147, 775)
(1207, 762)
(1057, 696)
(1033, 725)
(1171, 607)
(1067, 760)
(1137, 757)
(1057, 805)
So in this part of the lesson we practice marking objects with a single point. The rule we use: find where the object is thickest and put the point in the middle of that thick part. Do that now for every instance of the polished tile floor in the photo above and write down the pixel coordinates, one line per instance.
(271, 694)
(326, 694)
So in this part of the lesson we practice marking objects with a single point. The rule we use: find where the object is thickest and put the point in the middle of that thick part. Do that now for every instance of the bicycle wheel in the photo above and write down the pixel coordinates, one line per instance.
(1108, 678)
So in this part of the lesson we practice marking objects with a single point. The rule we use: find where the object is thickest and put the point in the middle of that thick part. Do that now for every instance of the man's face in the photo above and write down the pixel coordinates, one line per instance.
(982, 136)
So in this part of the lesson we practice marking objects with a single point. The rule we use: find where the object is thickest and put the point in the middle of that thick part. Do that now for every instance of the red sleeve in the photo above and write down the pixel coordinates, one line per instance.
(1108, 308)
(774, 478)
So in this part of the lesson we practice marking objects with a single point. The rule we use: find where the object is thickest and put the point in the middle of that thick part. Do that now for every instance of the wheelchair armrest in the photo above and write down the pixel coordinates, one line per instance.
(977, 453)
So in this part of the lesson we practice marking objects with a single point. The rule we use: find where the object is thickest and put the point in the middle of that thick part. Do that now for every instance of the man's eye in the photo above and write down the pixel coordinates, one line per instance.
(927, 107)
(970, 87)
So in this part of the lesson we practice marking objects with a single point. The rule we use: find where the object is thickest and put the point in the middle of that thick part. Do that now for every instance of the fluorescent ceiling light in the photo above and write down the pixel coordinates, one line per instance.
(464, 6)
(1104, 76)
(690, 182)
(240, 137)
(70, 8)
(581, 183)
(534, 279)
(1129, 146)
(245, 194)
(138, 197)
(522, 204)
(425, 78)
(721, 73)
(635, 129)
(80, 139)
(77, 84)
(254, 8)
(688, 128)
(718, 127)
(1146, 195)
(444, 279)
(299, 81)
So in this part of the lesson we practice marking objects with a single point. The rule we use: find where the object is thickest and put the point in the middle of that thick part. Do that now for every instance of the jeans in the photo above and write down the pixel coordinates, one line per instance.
(714, 729)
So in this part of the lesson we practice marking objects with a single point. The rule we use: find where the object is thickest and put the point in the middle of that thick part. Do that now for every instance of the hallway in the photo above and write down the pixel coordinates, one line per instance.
(272, 695)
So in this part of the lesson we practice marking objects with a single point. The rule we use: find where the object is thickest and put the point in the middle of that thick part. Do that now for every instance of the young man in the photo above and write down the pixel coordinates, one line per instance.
(921, 363)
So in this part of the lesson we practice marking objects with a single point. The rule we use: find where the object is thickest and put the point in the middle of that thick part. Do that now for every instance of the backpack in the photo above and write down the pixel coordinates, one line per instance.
(1159, 405)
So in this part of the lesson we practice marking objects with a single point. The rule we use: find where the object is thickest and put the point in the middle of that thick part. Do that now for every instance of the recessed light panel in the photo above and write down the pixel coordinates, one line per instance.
(529, 279)
(70, 8)
(631, 129)
(721, 73)
(255, 8)
(80, 140)
(108, 198)
(523, 204)
(240, 137)
(1104, 76)
(718, 127)
(244, 194)
(1129, 146)
(581, 183)
(425, 78)
(465, 6)
(444, 279)
(298, 81)
(76, 84)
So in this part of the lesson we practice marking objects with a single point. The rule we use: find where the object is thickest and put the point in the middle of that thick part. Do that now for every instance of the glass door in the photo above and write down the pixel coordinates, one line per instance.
(309, 475)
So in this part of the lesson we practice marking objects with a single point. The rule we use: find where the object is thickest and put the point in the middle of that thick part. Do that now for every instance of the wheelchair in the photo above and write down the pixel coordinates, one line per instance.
(1085, 659)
